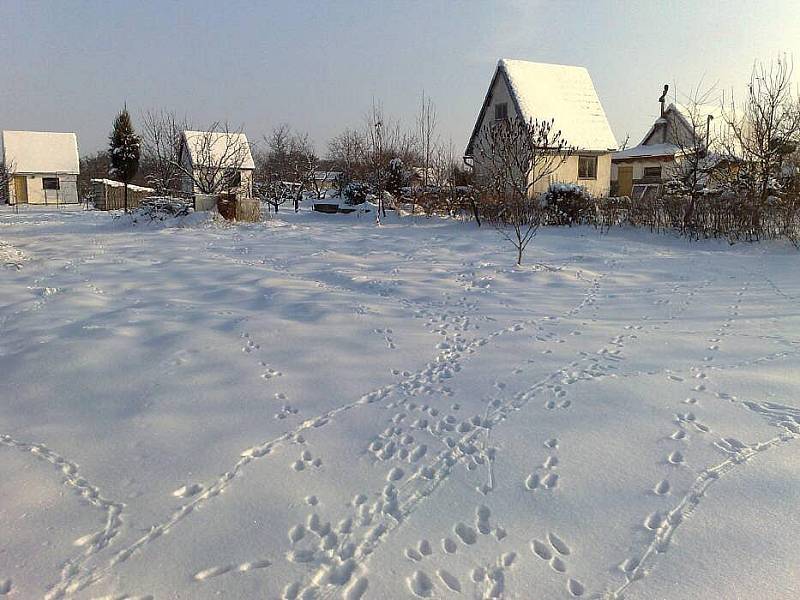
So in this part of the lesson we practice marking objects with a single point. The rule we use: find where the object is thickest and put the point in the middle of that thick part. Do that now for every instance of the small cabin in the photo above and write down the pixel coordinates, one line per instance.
(43, 167)
(565, 94)
(218, 161)
(680, 130)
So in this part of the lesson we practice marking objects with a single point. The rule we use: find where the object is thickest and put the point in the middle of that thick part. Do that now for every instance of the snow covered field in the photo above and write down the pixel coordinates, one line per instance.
(316, 407)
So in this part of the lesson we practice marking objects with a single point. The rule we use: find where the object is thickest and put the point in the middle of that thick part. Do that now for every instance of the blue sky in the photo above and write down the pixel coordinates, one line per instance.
(69, 66)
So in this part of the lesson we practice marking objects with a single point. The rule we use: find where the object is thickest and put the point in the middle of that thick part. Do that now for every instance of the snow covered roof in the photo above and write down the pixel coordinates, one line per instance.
(563, 93)
(41, 152)
(646, 151)
(326, 175)
(119, 184)
(220, 148)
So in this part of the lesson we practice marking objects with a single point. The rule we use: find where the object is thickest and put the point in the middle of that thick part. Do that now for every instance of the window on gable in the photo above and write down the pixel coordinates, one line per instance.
(587, 167)
(232, 178)
(51, 183)
(500, 111)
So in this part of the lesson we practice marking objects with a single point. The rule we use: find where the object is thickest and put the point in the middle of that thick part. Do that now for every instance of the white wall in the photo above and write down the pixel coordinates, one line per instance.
(68, 194)
(568, 172)
(639, 166)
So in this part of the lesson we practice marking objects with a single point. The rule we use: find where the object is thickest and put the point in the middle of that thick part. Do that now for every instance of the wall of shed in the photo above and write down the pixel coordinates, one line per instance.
(639, 167)
(68, 194)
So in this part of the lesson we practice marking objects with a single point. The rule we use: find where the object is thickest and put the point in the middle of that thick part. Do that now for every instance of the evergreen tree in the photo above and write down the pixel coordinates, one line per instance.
(124, 150)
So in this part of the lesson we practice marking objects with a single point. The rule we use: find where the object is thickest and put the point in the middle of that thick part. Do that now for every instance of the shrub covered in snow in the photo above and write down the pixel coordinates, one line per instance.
(356, 192)
(161, 208)
(567, 204)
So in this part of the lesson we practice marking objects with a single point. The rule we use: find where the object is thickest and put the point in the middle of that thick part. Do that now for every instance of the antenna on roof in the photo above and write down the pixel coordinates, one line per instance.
(663, 97)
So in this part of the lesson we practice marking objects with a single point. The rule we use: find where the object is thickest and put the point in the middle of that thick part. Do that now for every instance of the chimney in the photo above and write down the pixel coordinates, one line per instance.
(663, 98)
(662, 119)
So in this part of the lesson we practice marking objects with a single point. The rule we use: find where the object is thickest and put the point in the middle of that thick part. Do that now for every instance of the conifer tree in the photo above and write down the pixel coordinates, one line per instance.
(124, 150)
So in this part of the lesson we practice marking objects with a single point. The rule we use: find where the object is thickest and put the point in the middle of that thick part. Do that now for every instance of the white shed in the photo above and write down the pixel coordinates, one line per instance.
(43, 166)
(566, 94)
(219, 161)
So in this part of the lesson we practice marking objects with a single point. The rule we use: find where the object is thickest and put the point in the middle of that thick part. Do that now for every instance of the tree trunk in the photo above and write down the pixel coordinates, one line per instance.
(519, 255)
(125, 202)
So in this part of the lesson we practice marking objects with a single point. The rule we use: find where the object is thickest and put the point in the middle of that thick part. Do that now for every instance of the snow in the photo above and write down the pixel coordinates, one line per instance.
(41, 152)
(563, 93)
(318, 405)
(219, 147)
(119, 184)
(646, 151)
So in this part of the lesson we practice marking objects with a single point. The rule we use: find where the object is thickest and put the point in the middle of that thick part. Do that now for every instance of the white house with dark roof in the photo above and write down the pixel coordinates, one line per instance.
(566, 94)
(43, 167)
(220, 161)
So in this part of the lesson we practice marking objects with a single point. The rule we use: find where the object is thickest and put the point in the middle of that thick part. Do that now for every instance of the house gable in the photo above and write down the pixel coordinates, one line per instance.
(543, 91)
(499, 92)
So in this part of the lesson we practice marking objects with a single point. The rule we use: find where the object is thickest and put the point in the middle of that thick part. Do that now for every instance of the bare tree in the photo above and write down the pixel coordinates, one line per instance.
(285, 164)
(347, 152)
(215, 158)
(695, 137)
(763, 130)
(426, 136)
(161, 146)
(513, 156)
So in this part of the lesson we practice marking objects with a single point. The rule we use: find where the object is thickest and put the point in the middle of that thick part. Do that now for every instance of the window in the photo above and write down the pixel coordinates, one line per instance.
(232, 178)
(500, 111)
(51, 183)
(652, 173)
(587, 167)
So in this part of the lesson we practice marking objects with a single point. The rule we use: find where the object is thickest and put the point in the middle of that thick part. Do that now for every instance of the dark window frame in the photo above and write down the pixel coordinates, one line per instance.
(591, 173)
(47, 183)
(652, 174)
(501, 111)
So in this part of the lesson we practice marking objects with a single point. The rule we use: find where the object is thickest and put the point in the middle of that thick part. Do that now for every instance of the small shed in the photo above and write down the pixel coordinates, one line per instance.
(641, 171)
(219, 161)
(110, 195)
(43, 167)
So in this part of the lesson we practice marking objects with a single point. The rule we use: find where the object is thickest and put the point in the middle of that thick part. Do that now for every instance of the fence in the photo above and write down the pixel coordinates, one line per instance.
(110, 195)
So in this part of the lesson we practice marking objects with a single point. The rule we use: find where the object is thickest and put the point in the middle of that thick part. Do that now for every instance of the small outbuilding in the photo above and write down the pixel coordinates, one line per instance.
(640, 172)
(216, 162)
(108, 194)
(43, 167)
(565, 94)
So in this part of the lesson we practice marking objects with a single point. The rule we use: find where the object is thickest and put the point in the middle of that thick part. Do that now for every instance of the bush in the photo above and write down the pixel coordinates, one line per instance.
(356, 192)
(567, 204)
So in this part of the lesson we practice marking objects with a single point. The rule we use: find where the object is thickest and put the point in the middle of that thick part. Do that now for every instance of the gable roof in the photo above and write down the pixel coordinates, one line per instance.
(41, 152)
(563, 93)
(666, 150)
(684, 114)
(218, 147)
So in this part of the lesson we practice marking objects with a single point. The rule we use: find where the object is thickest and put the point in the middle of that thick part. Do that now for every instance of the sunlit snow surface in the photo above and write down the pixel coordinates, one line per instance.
(316, 407)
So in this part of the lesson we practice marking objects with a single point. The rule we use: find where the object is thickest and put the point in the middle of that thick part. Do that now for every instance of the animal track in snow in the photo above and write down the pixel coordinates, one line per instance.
(550, 481)
(560, 546)
(541, 550)
(575, 587)
(675, 458)
(465, 533)
(188, 490)
(449, 580)
(220, 570)
(420, 584)
(661, 488)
